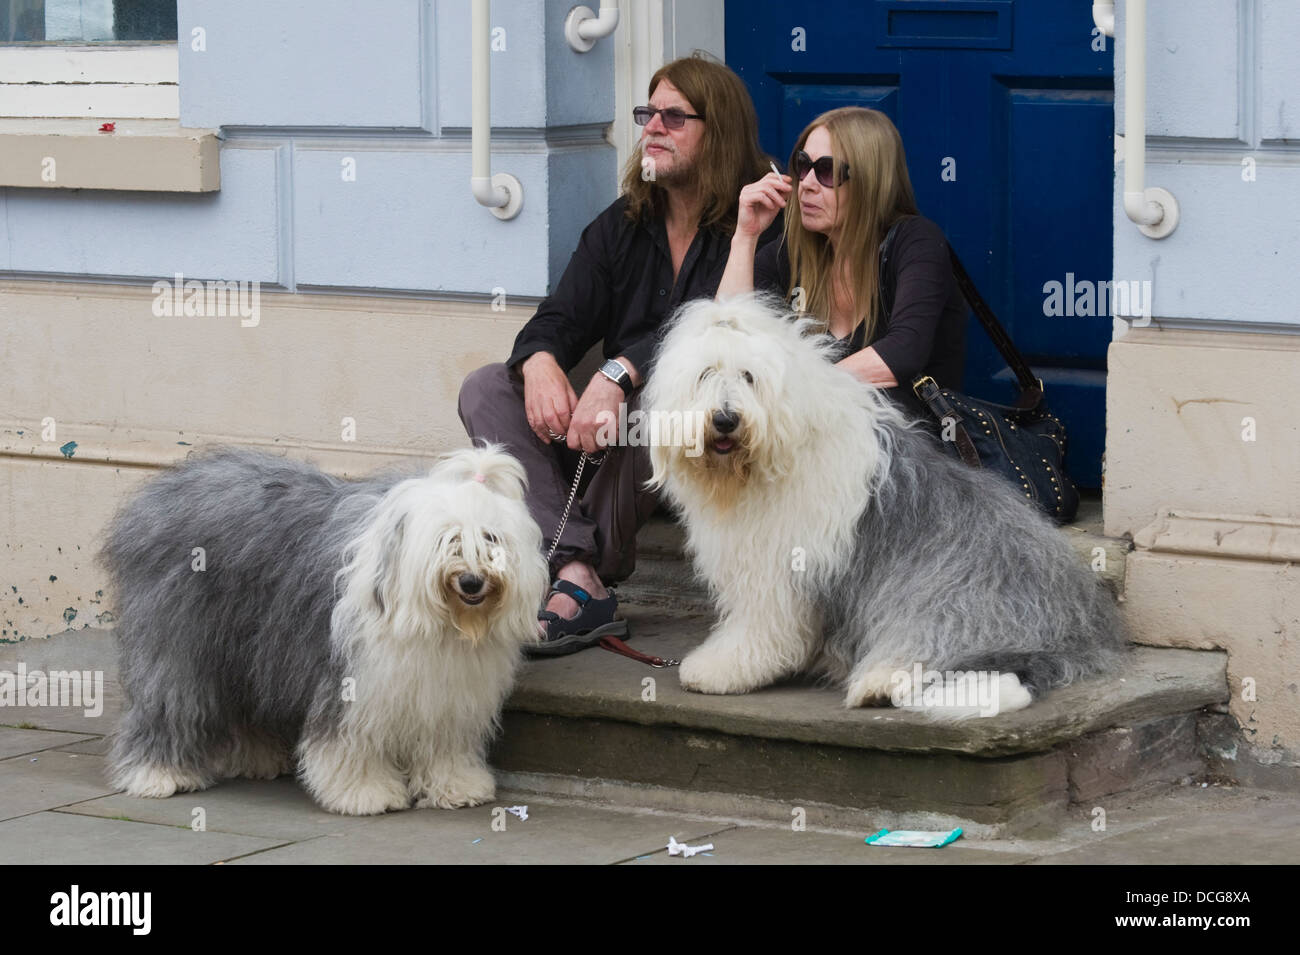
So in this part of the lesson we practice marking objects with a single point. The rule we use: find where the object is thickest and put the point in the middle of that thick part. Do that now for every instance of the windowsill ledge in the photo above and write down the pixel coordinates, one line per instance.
(152, 155)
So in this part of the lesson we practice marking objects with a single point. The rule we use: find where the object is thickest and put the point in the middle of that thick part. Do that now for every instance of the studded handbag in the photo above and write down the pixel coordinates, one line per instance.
(1025, 441)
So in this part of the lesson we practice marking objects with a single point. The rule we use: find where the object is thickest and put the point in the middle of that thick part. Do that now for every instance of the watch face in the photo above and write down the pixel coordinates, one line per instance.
(614, 370)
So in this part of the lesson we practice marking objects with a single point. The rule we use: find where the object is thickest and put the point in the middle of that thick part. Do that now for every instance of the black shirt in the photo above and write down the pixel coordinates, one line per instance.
(926, 331)
(619, 286)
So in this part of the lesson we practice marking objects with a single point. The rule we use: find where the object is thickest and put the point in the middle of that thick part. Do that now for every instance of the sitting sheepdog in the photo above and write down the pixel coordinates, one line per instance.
(836, 536)
(366, 632)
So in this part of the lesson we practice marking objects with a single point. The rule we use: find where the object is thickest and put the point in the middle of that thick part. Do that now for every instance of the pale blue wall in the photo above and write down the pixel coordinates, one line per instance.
(297, 88)
(1223, 84)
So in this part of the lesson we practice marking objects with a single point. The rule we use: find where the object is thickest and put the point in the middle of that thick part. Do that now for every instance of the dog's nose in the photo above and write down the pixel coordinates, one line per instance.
(469, 583)
(725, 421)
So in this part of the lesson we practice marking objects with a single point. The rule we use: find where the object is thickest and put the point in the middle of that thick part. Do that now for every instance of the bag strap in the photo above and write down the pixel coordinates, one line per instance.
(928, 391)
(1031, 388)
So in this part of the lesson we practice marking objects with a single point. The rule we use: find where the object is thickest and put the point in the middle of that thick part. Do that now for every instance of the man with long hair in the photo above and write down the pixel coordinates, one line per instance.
(663, 242)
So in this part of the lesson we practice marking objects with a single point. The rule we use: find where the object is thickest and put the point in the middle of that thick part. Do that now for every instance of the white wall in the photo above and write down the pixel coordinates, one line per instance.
(1223, 99)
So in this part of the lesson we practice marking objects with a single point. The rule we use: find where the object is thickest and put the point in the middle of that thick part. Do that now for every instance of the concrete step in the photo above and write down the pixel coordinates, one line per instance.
(601, 725)
(664, 577)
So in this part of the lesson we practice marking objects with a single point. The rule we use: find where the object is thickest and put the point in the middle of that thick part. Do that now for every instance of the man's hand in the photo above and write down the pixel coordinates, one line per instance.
(598, 409)
(549, 399)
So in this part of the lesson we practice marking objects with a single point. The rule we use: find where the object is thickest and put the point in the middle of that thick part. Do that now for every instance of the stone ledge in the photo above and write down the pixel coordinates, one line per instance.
(147, 155)
(1248, 537)
(605, 686)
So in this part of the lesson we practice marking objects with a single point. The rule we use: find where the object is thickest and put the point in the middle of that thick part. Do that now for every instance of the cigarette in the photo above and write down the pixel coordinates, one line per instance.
(774, 169)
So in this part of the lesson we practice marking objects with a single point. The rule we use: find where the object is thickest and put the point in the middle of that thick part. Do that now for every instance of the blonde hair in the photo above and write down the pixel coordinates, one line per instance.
(729, 157)
(877, 194)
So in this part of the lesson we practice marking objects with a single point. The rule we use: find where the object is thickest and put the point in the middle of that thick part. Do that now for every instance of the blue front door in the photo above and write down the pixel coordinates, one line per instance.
(1005, 109)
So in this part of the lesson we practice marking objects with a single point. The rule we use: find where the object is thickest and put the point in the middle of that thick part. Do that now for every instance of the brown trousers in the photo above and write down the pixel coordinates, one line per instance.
(604, 519)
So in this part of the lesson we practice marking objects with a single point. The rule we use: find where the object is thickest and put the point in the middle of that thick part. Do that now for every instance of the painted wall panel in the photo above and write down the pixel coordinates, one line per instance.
(1279, 71)
(579, 86)
(518, 72)
(229, 235)
(409, 222)
(268, 64)
(537, 80)
(580, 185)
(1232, 257)
(1192, 68)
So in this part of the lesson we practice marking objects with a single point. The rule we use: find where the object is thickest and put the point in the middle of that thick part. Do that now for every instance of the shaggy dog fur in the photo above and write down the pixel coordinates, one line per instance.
(838, 538)
(371, 628)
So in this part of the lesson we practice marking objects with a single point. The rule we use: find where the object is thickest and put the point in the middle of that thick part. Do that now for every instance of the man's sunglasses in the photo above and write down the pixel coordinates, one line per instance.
(673, 117)
(823, 168)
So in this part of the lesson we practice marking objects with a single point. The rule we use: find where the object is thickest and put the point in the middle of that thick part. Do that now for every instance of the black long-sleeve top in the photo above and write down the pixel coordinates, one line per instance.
(926, 332)
(619, 286)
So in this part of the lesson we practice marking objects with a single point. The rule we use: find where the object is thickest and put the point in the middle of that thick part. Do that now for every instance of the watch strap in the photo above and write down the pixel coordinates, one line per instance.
(623, 379)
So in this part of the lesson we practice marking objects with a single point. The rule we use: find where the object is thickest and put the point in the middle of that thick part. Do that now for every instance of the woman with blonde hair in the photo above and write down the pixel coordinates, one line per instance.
(852, 185)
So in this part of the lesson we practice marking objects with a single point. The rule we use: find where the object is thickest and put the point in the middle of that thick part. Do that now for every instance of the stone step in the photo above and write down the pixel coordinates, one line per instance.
(590, 724)
(664, 577)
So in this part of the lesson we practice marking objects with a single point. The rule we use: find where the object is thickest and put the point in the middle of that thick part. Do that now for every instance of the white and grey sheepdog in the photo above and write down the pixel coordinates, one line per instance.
(837, 538)
(270, 615)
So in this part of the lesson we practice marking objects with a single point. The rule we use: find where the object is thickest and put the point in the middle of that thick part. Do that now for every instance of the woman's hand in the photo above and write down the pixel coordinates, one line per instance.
(760, 202)
(549, 399)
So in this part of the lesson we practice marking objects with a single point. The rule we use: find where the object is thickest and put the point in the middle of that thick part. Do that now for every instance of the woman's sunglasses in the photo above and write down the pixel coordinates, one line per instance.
(823, 168)
(673, 117)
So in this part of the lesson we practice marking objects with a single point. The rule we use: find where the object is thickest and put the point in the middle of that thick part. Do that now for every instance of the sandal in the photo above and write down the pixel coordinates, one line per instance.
(566, 635)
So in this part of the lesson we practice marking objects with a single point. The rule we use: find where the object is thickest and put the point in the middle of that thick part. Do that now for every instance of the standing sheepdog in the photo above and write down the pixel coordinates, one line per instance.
(837, 537)
(371, 628)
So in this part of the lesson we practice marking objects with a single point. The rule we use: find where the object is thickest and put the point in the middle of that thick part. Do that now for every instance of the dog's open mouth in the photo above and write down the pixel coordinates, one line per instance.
(473, 601)
(722, 445)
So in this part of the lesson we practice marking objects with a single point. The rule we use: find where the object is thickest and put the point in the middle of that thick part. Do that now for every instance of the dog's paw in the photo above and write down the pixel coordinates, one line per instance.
(468, 786)
(368, 798)
(159, 782)
(874, 687)
(709, 671)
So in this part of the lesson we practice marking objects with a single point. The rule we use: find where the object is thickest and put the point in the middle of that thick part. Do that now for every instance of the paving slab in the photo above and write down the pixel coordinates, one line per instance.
(761, 846)
(48, 780)
(1267, 833)
(554, 833)
(59, 838)
(81, 650)
(596, 684)
(91, 745)
(277, 809)
(87, 649)
(70, 719)
(19, 742)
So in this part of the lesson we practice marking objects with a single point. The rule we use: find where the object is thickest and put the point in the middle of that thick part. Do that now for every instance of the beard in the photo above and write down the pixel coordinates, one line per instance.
(680, 175)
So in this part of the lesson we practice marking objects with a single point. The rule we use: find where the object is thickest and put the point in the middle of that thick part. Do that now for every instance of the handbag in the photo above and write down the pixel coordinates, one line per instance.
(1025, 441)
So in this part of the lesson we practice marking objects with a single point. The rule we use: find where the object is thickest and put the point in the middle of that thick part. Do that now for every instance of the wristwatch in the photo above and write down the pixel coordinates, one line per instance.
(617, 373)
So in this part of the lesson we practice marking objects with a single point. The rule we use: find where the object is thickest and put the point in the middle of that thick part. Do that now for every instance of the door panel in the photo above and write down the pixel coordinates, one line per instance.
(1013, 96)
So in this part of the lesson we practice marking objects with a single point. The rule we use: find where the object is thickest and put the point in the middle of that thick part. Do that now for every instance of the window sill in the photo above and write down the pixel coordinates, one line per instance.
(151, 155)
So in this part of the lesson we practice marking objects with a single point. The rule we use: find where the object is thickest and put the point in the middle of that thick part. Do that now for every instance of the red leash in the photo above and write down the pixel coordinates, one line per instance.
(618, 646)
